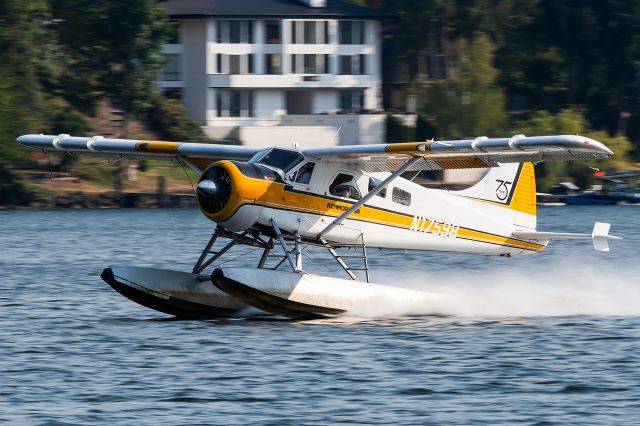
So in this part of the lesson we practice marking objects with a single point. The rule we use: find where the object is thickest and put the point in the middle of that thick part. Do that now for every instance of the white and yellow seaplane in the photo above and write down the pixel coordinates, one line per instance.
(281, 200)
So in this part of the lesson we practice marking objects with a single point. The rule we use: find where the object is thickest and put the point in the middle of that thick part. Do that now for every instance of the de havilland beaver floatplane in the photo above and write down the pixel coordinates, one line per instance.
(335, 198)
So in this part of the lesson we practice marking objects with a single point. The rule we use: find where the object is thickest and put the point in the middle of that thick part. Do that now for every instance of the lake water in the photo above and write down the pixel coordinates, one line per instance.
(551, 338)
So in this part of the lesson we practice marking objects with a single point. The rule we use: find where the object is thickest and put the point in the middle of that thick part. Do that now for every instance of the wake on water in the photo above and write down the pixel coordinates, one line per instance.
(553, 291)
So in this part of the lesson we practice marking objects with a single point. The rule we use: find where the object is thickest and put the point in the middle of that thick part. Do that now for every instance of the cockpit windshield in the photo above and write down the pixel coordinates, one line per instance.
(281, 159)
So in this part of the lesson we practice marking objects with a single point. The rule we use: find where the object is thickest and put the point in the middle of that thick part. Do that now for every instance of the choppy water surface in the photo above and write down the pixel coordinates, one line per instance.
(546, 339)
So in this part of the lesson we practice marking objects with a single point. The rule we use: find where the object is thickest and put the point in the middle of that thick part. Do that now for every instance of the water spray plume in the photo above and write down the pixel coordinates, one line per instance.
(555, 291)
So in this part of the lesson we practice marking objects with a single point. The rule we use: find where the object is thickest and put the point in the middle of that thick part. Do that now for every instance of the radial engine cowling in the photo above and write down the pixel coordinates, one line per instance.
(227, 193)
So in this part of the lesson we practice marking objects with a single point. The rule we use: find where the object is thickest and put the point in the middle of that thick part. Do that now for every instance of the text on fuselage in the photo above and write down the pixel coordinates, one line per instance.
(436, 227)
(334, 206)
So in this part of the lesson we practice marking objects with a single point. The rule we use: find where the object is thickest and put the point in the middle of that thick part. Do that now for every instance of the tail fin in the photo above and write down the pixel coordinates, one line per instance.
(511, 185)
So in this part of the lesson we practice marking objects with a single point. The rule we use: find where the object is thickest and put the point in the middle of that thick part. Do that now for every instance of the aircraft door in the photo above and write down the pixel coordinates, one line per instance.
(344, 185)
(301, 178)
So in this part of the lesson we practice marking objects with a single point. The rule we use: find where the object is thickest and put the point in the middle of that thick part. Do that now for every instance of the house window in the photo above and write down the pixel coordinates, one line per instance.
(310, 64)
(273, 63)
(401, 197)
(251, 67)
(323, 64)
(172, 68)
(235, 31)
(344, 64)
(273, 32)
(351, 32)
(345, 186)
(294, 66)
(309, 32)
(173, 93)
(294, 35)
(234, 103)
(351, 100)
(362, 62)
(353, 64)
(174, 35)
(235, 64)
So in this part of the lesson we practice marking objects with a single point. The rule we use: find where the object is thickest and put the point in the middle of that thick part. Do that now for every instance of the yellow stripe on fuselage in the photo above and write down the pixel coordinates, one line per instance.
(274, 194)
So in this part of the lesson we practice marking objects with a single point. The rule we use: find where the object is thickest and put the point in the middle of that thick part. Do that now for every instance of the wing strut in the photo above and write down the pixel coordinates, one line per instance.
(414, 159)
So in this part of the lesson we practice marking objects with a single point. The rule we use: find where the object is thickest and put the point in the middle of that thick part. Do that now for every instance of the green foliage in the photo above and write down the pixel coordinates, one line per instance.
(112, 48)
(396, 131)
(143, 165)
(570, 122)
(471, 103)
(13, 192)
(577, 53)
(66, 120)
(621, 147)
(552, 56)
(25, 50)
(424, 130)
(169, 118)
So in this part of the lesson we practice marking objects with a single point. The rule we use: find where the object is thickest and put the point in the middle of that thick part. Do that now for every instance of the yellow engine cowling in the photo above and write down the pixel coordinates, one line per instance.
(228, 190)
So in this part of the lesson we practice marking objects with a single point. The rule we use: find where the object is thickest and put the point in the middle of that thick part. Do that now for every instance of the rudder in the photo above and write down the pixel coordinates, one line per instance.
(512, 186)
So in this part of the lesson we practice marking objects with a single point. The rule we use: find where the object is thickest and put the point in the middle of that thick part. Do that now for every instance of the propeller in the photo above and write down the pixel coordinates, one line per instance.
(214, 189)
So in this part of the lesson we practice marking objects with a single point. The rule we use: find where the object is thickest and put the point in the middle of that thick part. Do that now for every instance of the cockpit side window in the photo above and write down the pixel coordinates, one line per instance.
(345, 186)
(401, 197)
(281, 159)
(373, 182)
(303, 174)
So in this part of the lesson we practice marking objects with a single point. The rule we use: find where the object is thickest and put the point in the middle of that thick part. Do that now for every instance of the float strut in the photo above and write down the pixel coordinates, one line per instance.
(283, 244)
(265, 254)
(298, 247)
(197, 268)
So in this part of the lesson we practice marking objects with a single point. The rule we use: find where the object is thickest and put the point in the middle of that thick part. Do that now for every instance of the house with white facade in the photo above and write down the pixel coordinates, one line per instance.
(303, 72)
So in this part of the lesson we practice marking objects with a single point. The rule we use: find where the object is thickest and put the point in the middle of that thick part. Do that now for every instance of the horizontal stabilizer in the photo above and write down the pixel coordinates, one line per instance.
(599, 235)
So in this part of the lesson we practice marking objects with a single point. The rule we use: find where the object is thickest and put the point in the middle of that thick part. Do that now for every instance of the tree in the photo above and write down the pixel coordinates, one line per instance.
(570, 122)
(112, 48)
(26, 49)
(471, 103)
(578, 54)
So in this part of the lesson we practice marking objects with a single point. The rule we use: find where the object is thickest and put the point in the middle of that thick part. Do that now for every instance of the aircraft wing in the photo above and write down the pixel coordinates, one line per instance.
(197, 153)
(437, 155)
(462, 154)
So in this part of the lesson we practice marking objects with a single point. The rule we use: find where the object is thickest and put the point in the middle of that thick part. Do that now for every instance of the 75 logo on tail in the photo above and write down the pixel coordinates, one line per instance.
(502, 191)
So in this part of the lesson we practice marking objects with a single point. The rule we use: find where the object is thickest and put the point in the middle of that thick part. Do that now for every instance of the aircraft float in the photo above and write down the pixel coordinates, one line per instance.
(282, 200)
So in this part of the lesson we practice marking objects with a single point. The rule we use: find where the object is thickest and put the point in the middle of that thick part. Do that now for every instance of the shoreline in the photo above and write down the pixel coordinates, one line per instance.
(109, 200)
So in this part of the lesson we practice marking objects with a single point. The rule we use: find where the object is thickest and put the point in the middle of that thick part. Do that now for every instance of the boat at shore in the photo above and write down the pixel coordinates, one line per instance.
(616, 188)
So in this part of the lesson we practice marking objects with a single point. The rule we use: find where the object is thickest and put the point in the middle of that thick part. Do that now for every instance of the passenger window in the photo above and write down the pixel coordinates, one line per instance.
(303, 175)
(345, 186)
(373, 182)
(401, 197)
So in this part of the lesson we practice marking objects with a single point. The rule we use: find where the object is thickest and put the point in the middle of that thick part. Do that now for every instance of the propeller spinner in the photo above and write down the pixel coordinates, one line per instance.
(214, 189)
